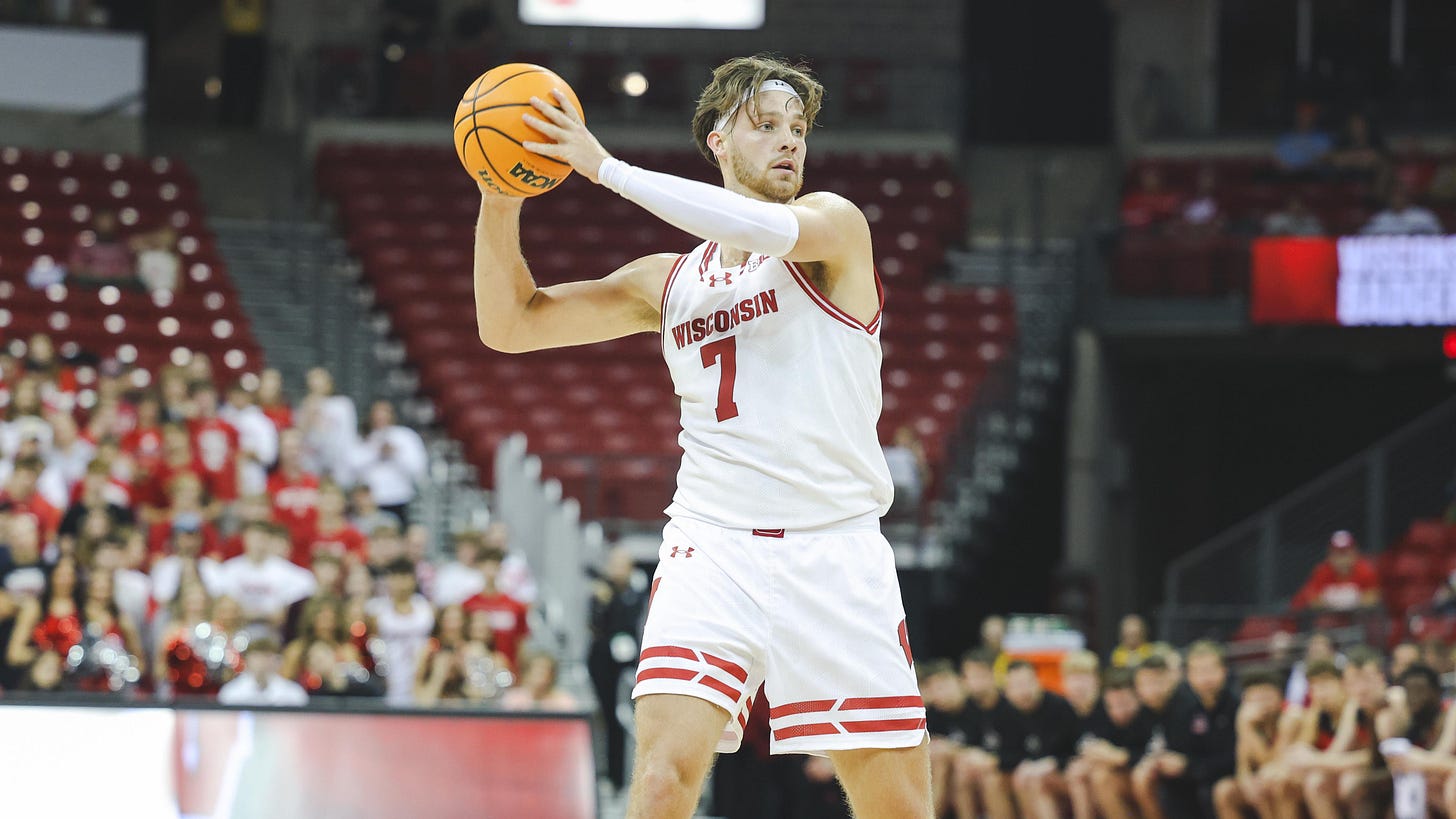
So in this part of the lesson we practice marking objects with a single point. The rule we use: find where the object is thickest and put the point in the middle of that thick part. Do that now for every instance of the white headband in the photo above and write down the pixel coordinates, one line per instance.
(768, 85)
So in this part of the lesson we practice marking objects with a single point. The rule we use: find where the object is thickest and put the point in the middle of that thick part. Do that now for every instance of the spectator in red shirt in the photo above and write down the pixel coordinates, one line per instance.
(507, 615)
(99, 256)
(295, 492)
(272, 401)
(184, 505)
(332, 533)
(215, 444)
(177, 458)
(20, 496)
(1150, 205)
(144, 442)
(1343, 581)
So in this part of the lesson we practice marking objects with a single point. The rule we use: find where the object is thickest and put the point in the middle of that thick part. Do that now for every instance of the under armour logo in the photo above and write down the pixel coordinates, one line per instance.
(714, 279)
(680, 551)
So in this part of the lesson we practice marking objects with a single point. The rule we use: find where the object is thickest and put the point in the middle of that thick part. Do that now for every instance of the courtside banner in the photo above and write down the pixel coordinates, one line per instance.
(1391, 281)
(215, 763)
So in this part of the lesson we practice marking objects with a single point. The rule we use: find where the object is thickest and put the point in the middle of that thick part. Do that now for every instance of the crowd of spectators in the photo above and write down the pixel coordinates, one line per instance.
(1357, 155)
(1158, 733)
(100, 256)
(155, 541)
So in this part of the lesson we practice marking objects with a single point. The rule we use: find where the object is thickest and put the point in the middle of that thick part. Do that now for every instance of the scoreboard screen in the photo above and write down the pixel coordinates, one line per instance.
(717, 14)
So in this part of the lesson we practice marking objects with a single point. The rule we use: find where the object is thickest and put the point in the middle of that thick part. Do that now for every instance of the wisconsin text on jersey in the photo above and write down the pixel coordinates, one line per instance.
(721, 321)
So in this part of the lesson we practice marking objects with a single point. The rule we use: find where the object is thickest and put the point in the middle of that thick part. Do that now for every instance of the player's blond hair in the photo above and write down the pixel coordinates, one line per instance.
(739, 77)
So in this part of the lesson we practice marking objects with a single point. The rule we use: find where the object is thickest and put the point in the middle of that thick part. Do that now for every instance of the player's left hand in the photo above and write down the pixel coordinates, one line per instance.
(571, 141)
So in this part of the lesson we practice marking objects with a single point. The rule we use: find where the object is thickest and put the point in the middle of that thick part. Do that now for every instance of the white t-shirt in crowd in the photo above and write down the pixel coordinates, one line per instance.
(245, 690)
(256, 434)
(904, 468)
(266, 589)
(391, 480)
(167, 577)
(132, 591)
(456, 583)
(1409, 222)
(70, 463)
(159, 269)
(330, 437)
(405, 635)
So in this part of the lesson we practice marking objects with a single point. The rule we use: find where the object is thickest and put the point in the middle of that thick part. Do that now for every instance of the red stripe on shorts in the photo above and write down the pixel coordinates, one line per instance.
(874, 726)
(669, 651)
(721, 687)
(666, 674)
(813, 729)
(732, 668)
(881, 702)
(805, 707)
(768, 533)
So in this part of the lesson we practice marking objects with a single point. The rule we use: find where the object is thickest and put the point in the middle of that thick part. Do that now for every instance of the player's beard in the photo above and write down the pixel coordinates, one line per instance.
(760, 183)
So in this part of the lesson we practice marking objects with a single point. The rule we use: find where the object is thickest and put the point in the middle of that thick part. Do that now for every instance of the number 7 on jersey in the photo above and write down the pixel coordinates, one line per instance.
(724, 353)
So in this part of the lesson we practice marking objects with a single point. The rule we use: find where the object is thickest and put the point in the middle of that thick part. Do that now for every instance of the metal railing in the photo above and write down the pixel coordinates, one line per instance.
(1257, 564)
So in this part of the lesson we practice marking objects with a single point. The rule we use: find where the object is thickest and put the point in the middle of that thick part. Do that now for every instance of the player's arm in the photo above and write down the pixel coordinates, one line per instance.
(818, 227)
(513, 315)
(1339, 756)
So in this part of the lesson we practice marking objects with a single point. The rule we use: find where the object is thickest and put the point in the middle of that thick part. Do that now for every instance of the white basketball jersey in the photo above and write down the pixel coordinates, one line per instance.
(780, 397)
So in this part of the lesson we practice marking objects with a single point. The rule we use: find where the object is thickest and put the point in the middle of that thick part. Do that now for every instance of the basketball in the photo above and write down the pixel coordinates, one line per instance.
(489, 130)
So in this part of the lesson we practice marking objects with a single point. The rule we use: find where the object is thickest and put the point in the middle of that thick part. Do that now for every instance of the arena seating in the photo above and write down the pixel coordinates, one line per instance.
(603, 417)
(1247, 189)
(1411, 569)
(47, 198)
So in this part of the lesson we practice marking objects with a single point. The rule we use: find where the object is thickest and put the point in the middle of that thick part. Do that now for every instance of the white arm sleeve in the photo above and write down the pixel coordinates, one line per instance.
(706, 211)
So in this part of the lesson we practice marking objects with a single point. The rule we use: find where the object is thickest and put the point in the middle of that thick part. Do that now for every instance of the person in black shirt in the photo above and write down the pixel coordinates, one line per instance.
(619, 598)
(1039, 736)
(1118, 737)
(945, 720)
(977, 781)
(1431, 764)
(1200, 739)
(1256, 728)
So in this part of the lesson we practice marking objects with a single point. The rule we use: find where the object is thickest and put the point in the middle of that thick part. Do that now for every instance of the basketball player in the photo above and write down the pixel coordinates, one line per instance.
(773, 568)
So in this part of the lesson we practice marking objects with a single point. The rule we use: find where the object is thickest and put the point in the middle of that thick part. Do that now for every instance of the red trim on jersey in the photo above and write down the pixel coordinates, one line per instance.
(668, 651)
(831, 308)
(734, 669)
(667, 288)
(666, 674)
(768, 533)
(874, 325)
(707, 258)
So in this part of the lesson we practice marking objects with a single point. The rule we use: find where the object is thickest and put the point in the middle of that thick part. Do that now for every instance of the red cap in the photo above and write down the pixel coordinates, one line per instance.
(1343, 540)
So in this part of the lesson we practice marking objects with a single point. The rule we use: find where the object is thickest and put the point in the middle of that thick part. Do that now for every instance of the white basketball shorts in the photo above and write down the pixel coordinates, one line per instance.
(815, 616)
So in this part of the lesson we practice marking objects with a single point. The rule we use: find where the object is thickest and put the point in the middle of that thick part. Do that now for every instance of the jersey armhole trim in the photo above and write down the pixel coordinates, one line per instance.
(834, 310)
(667, 289)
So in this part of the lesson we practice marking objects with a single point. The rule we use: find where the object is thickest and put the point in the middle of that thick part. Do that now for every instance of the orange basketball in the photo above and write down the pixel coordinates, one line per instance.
(489, 130)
